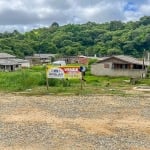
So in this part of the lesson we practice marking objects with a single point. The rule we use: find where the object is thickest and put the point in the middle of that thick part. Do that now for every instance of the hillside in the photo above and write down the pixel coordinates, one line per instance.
(114, 37)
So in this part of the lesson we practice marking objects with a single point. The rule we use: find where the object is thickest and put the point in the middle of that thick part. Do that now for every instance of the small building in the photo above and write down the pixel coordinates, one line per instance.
(40, 58)
(68, 59)
(24, 63)
(83, 60)
(59, 63)
(120, 65)
(9, 65)
(75, 59)
(8, 62)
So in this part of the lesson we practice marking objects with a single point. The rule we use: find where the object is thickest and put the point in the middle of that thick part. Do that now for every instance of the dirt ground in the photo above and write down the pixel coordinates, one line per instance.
(75, 122)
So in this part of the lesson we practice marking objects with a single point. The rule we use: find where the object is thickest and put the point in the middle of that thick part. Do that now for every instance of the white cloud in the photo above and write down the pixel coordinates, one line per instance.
(145, 8)
(28, 14)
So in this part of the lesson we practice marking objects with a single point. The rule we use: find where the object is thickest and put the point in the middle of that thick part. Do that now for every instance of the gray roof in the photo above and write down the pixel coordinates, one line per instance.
(6, 55)
(44, 55)
(129, 59)
(8, 62)
(21, 60)
(102, 58)
(124, 58)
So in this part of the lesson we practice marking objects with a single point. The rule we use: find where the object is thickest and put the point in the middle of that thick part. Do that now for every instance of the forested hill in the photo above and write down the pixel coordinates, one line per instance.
(114, 37)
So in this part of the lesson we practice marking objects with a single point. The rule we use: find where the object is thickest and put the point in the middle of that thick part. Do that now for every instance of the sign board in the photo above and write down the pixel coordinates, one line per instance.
(67, 72)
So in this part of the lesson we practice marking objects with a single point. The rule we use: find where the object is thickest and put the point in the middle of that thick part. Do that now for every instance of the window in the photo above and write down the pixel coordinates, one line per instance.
(106, 65)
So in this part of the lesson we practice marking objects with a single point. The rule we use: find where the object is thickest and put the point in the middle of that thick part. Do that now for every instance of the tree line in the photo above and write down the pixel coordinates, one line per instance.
(110, 38)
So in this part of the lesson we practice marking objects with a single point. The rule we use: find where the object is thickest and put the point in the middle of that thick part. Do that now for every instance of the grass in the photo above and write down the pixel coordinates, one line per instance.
(21, 80)
(33, 81)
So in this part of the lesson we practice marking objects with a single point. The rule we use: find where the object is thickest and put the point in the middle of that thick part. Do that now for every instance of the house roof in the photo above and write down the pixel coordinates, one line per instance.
(8, 62)
(44, 55)
(21, 60)
(6, 55)
(82, 56)
(127, 59)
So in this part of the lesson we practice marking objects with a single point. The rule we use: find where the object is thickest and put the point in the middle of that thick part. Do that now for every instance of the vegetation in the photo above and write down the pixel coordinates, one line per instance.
(21, 80)
(115, 37)
(33, 81)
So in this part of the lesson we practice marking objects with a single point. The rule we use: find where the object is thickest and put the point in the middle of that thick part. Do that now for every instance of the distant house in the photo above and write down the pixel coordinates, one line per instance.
(40, 58)
(24, 63)
(7, 62)
(75, 59)
(83, 60)
(9, 65)
(119, 66)
(68, 59)
(59, 63)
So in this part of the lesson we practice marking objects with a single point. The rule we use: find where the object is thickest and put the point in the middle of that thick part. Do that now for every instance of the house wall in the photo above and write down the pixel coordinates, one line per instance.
(9, 67)
(103, 69)
(83, 60)
(37, 61)
(25, 64)
(68, 60)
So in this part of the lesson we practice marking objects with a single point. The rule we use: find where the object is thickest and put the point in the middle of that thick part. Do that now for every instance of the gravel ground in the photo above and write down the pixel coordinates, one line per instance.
(74, 122)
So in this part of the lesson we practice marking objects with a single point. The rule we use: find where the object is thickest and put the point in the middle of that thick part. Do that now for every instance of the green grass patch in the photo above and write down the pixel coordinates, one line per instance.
(33, 81)
(21, 80)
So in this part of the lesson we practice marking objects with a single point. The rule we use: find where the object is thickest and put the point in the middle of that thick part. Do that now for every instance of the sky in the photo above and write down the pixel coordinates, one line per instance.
(25, 15)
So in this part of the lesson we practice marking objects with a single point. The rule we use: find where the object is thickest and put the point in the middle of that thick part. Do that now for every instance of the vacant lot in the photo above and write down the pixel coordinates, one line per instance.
(75, 122)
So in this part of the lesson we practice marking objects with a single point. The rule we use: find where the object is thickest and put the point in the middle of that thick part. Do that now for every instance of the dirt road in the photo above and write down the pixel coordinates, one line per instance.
(74, 122)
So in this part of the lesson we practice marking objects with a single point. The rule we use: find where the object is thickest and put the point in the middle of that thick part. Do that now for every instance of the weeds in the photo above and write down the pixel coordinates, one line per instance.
(35, 79)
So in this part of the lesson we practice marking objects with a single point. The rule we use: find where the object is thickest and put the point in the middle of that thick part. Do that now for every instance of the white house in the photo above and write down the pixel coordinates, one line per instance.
(119, 66)
(9, 65)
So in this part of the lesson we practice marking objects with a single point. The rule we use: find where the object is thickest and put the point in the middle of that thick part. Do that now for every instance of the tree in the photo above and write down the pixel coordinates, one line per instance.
(114, 51)
(109, 38)
(116, 25)
(145, 20)
(55, 24)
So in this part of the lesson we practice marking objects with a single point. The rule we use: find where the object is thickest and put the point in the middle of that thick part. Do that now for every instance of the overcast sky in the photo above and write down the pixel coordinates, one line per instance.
(24, 15)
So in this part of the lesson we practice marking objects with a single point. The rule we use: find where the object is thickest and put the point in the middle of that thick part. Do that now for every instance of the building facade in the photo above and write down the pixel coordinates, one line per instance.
(119, 66)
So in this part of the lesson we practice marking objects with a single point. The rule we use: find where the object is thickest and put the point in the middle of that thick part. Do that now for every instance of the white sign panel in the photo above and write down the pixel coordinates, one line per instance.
(55, 73)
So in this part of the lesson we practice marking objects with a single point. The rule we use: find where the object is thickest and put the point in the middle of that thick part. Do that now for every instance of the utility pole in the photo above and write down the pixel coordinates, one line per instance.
(143, 66)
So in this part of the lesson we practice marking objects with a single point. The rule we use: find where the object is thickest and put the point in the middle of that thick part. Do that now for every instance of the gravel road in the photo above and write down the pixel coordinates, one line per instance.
(74, 122)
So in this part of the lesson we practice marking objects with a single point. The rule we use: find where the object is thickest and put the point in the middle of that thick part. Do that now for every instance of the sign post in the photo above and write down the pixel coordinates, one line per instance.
(82, 70)
(81, 80)
(47, 84)
(63, 72)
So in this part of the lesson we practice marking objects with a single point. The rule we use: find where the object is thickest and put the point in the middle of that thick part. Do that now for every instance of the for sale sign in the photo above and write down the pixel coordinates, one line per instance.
(68, 72)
